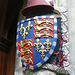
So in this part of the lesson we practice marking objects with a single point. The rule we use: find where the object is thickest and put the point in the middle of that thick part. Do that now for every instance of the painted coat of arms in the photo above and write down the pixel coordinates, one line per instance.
(36, 40)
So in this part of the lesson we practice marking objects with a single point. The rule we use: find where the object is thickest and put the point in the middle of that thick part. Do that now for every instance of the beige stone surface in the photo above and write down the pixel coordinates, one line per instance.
(70, 5)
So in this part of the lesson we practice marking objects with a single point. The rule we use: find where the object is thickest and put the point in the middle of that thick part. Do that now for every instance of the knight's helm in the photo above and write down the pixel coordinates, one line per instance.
(38, 7)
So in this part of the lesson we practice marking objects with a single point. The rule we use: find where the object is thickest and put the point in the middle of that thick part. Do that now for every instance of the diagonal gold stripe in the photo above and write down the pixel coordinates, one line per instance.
(57, 15)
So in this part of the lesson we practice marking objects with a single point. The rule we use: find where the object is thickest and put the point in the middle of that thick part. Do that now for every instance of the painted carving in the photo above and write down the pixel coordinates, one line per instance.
(23, 30)
(37, 44)
(27, 58)
(48, 44)
(42, 51)
(42, 27)
(25, 50)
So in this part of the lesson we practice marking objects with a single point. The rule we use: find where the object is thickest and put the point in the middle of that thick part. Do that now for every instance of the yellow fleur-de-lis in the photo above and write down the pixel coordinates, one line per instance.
(37, 44)
(42, 51)
(48, 44)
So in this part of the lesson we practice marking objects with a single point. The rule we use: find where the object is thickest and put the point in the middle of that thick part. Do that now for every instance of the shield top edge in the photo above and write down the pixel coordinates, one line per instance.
(36, 17)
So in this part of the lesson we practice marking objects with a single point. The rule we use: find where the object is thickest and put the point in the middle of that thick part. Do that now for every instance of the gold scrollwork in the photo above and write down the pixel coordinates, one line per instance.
(43, 26)
(37, 28)
(42, 34)
(27, 58)
(38, 22)
(25, 50)
(25, 42)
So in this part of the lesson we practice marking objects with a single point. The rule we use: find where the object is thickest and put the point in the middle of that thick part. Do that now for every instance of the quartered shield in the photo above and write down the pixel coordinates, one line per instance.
(36, 40)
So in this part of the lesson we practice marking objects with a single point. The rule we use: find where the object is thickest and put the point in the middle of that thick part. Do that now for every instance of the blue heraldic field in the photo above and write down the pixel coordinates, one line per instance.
(36, 40)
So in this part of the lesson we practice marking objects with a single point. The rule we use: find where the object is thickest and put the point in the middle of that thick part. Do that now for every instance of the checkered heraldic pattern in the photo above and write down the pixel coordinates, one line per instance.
(36, 40)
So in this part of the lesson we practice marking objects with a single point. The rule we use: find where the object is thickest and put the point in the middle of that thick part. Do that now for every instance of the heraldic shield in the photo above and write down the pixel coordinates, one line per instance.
(36, 40)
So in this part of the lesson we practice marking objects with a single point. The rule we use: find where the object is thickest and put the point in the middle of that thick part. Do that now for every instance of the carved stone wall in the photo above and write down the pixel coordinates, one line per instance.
(70, 5)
